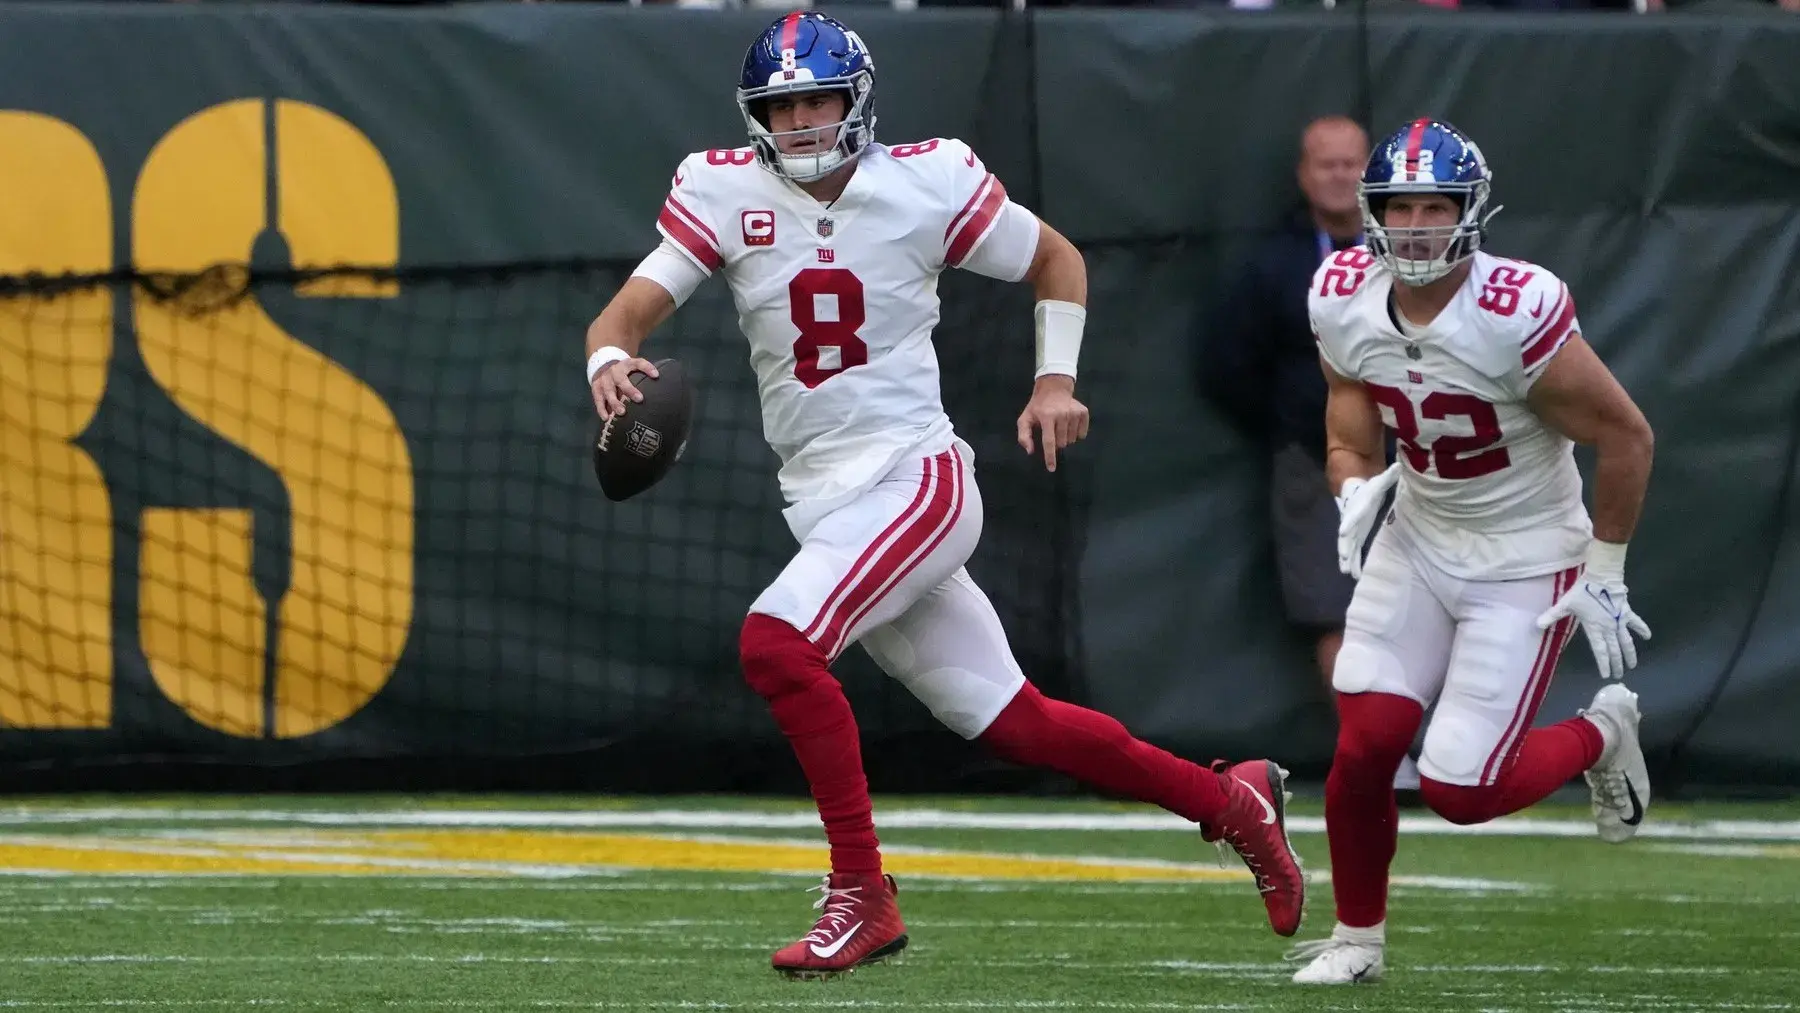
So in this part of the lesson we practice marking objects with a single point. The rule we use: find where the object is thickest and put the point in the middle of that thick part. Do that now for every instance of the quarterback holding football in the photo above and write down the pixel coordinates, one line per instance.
(831, 244)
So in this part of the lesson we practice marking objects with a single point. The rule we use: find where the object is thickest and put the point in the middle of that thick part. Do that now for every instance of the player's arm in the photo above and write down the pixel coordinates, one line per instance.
(662, 281)
(1353, 456)
(1057, 272)
(992, 236)
(613, 340)
(1578, 396)
(1058, 278)
(1352, 430)
(639, 307)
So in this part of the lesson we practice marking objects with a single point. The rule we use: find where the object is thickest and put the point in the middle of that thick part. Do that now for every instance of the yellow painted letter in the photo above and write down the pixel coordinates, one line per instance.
(343, 621)
(56, 548)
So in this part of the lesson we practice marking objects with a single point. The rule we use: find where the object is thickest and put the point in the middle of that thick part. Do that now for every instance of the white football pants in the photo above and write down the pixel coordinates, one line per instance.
(886, 570)
(1472, 647)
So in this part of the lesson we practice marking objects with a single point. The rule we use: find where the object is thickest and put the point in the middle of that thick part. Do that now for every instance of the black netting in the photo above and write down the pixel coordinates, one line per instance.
(339, 528)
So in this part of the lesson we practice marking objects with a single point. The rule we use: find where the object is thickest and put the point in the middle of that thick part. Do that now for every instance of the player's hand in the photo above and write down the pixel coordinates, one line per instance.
(1359, 505)
(612, 385)
(1053, 410)
(1600, 603)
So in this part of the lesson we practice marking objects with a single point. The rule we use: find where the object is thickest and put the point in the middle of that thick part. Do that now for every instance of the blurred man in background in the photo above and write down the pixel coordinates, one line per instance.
(1260, 366)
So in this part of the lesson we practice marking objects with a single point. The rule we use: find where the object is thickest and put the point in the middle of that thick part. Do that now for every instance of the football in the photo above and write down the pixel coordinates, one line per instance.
(634, 449)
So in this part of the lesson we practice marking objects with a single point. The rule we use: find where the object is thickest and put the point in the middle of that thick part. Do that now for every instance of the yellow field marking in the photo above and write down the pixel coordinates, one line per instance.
(530, 853)
(718, 854)
(118, 858)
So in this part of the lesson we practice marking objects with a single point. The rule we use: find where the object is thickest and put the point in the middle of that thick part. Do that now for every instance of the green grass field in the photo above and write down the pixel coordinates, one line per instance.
(522, 904)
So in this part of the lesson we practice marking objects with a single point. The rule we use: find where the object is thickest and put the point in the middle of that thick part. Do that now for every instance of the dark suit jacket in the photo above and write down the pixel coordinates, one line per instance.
(1257, 360)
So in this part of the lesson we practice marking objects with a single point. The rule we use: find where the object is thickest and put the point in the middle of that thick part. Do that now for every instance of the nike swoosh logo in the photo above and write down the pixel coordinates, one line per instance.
(1604, 598)
(678, 183)
(970, 160)
(1637, 807)
(1268, 810)
(827, 952)
(1538, 310)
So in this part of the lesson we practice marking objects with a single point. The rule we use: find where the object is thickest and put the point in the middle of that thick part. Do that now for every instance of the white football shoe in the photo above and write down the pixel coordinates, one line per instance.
(1620, 781)
(1337, 961)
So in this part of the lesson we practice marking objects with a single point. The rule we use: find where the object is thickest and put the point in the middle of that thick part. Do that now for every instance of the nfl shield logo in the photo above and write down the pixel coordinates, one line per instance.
(643, 440)
(824, 227)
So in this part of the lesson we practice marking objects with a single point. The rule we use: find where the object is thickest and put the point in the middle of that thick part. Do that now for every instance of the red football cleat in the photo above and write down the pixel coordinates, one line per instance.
(861, 925)
(1255, 825)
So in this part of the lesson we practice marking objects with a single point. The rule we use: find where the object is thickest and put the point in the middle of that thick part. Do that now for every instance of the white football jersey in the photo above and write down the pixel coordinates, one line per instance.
(1487, 489)
(839, 301)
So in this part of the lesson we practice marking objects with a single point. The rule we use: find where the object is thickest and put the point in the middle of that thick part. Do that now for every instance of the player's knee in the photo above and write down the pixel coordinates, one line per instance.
(964, 701)
(1035, 730)
(1355, 667)
(1017, 728)
(1375, 729)
(776, 658)
(1461, 804)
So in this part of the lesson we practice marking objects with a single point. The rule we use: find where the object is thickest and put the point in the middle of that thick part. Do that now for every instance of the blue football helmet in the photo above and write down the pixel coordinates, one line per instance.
(807, 51)
(1426, 156)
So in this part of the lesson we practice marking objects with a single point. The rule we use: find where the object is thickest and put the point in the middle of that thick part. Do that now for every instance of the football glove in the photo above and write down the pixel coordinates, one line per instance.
(1599, 602)
(1359, 506)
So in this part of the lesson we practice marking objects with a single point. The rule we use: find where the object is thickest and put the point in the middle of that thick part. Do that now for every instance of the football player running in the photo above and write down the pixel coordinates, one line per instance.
(831, 244)
(1488, 561)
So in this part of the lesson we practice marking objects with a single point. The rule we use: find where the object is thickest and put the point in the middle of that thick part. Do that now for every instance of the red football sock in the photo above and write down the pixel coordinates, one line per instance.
(1547, 760)
(1036, 731)
(1362, 822)
(809, 706)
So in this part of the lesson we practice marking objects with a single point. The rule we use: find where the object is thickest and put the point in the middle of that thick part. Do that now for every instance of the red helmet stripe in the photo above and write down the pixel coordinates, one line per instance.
(790, 32)
(1414, 141)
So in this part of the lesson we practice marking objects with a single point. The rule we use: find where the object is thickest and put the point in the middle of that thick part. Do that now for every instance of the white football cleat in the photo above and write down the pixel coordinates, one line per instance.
(1338, 962)
(1620, 781)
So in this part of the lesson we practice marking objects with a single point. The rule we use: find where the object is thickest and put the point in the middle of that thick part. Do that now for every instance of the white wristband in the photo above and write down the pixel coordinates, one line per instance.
(1059, 326)
(603, 357)
(1606, 562)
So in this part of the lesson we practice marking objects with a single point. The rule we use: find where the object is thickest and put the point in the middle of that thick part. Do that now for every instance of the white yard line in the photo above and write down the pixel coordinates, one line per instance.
(894, 819)
(1728, 850)
(55, 879)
